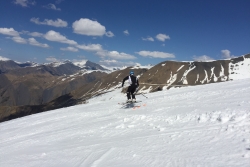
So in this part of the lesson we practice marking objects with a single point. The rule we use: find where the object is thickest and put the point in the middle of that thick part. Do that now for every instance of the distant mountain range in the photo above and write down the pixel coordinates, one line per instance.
(66, 66)
(28, 88)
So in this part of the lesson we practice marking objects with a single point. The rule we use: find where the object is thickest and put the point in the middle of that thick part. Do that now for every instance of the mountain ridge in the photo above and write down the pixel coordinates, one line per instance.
(77, 89)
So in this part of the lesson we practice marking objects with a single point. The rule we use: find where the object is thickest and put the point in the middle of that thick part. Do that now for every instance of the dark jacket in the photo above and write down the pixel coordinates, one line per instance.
(133, 81)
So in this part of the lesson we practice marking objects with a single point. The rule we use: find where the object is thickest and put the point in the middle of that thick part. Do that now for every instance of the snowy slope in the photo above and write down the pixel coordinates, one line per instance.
(206, 125)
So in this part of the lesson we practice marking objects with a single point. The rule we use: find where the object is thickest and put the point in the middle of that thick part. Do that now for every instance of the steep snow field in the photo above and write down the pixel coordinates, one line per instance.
(207, 125)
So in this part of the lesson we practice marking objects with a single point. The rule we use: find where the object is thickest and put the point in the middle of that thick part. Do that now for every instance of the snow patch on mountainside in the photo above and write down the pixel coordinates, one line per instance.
(184, 77)
(239, 70)
(142, 67)
(4, 59)
(81, 63)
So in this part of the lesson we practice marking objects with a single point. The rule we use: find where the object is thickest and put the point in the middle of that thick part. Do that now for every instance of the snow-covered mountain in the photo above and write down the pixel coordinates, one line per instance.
(36, 84)
(205, 125)
(7, 64)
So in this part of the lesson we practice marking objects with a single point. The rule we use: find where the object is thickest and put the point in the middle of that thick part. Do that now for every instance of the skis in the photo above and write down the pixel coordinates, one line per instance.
(123, 103)
(132, 105)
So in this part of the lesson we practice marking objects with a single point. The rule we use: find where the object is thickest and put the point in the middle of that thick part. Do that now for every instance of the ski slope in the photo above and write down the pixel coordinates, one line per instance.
(206, 125)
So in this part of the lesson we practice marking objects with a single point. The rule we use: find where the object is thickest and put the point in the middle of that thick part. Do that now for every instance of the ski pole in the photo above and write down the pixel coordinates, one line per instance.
(144, 95)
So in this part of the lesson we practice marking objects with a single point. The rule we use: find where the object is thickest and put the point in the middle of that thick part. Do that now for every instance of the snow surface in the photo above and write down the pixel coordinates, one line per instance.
(142, 66)
(4, 58)
(205, 125)
(54, 64)
(81, 63)
(240, 70)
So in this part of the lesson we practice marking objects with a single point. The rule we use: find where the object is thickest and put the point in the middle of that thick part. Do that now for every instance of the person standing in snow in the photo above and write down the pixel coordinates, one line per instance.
(134, 84)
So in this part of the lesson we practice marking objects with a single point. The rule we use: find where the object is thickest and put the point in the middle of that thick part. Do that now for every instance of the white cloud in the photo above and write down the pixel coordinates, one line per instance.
(16, 38)
(33, 34)
(81, 57)
(90, 47)
(109, 34)
(162, 37)
(3, 58)
(52, 59)
(88, 27)
(108, 61)
(126, 32)
(57, 37)
(70, 48)
(34, 42)
(9, 31)
(115, 55)
(52, 6)
(156, 54)
(148, 39)
(24, 32)
(36, 34)
(24, 3)
(56, 23)
(19, 39)
(203, 58)
(226, 54)
(115, 63)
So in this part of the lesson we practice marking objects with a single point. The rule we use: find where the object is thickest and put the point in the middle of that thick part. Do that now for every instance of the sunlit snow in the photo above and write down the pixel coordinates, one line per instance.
(205, 125)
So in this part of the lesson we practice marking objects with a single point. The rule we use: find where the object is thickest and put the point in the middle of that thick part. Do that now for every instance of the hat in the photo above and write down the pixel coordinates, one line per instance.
(131, 72)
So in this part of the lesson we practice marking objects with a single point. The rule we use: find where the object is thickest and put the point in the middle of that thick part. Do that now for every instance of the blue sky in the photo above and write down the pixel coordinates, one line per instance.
(117, 33)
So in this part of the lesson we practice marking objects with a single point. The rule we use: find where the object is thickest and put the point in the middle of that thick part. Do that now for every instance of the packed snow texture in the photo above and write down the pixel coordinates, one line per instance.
(205, 125)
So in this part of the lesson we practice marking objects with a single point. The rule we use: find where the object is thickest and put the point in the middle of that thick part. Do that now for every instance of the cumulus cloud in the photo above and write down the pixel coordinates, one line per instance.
(203, 58)
(115, 55)
(16, 38)
(9, 31)
(34, 42)
(118, 55)
(51, 6)
(57, 37)
(70, 48)
(162, 37)
(115, 63)
(19, 39)
(90, 47)
(35, 34)
(56, 23)
(148, 39)
(226, 54)
(109, 34)
(156, 54)
(52, 59)
(108, 61)
(24, 3)
(88, 27)
(126, 32)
